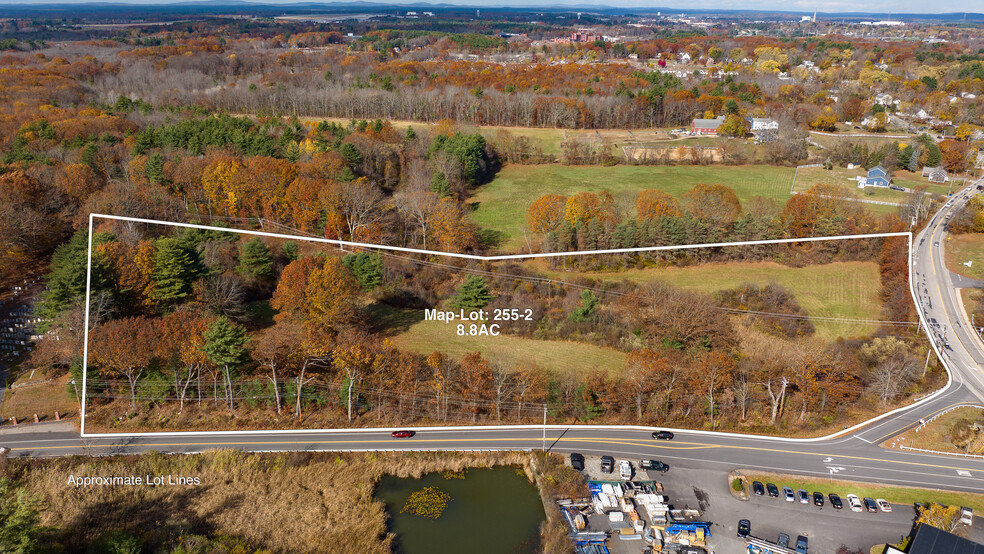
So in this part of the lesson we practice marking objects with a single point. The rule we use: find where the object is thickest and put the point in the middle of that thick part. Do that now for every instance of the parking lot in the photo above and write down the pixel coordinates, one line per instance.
(826, 528)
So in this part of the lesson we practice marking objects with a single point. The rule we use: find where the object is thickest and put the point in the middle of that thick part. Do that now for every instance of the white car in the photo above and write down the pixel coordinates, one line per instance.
(854, 502)
(883, 505)
(966, 516)
(624, 470)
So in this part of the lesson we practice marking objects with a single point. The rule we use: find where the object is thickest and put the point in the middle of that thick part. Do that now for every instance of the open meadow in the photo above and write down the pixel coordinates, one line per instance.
(502, 203)
(847, 179)
(408, 330)
(834, 290)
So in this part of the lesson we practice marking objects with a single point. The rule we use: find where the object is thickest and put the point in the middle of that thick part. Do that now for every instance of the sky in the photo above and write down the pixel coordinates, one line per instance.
(806, 6)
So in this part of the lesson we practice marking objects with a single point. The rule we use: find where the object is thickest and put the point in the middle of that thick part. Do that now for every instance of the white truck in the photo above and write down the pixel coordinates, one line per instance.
(624, 470)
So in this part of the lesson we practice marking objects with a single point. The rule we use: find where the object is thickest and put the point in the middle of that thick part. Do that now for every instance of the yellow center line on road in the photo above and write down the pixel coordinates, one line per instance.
(599, 440)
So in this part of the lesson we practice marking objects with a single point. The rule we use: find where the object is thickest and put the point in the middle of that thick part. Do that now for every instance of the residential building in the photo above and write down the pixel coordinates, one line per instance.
(935, 174)
(877, 177)
(762, 124)
(706, 126)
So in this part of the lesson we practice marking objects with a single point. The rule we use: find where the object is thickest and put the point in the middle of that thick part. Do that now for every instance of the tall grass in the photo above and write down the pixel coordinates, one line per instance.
(296, 502)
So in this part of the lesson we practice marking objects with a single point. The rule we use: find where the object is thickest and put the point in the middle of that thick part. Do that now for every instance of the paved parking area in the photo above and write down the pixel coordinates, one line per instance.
(827, 529)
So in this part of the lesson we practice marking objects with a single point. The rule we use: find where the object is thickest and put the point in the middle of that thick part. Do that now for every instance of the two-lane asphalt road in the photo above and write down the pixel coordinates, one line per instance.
(938, 300)
(847, 457)
(852, 455)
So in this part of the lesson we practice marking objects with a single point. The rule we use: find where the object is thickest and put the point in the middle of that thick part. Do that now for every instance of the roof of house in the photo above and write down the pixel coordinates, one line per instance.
(877, 170)
(930, 540)
(709, 123)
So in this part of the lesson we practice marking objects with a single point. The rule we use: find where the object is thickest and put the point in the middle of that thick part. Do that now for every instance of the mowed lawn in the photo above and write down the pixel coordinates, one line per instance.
(502, 203)
(846, 179)
(836, 290)
(408, 330)
(967, 247)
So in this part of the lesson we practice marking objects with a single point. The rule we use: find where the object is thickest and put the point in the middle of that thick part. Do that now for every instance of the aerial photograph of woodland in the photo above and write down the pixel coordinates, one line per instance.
(515, 166)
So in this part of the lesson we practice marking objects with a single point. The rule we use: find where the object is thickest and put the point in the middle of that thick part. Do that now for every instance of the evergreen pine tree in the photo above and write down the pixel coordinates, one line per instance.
(589, 302)
(225, 345)
(255, 260)
(439, 185)
(90, 156)
(473, 294)
(174, 270)
(367, 267)
(288, 251)
(155, 168)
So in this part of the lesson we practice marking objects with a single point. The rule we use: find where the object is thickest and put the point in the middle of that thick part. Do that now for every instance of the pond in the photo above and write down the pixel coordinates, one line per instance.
(490, 511)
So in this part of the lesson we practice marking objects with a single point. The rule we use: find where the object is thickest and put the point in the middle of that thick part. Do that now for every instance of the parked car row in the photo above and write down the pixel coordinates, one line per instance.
(624, 466)
(854, 503)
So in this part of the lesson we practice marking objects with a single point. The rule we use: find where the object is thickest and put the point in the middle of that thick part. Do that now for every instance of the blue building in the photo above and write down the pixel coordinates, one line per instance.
(878, 177)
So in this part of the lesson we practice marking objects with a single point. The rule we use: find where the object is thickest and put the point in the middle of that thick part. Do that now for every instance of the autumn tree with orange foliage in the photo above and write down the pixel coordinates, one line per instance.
(450, 229)
(546, 213)
(716, 206)
(653, 204)
(124, 348)
(588, 206)
(329, 296)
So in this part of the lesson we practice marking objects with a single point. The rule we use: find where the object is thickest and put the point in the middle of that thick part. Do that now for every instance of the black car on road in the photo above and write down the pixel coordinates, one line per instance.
(818, 499)
(757, 488)
(744, 528)
(663, 435)
(835, 501)
(773, 490)
(577, 461)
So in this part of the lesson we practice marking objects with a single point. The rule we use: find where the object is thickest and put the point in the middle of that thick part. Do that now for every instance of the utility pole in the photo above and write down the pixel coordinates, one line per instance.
(543, 447)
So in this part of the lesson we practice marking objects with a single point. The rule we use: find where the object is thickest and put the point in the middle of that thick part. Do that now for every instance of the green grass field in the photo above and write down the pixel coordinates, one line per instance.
(408, 330)
(844, 177)
(901, 498)
(841, 289)
(502, 203)
(968, 247)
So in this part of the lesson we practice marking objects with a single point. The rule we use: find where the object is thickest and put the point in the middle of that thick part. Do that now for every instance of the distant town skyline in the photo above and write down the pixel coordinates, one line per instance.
(886, 7)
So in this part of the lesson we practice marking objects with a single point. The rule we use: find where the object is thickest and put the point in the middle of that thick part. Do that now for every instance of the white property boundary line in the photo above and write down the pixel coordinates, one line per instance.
(85, 348)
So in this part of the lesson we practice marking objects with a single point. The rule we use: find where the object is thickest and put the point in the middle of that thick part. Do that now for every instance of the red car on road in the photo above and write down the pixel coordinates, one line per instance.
(402, 434)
